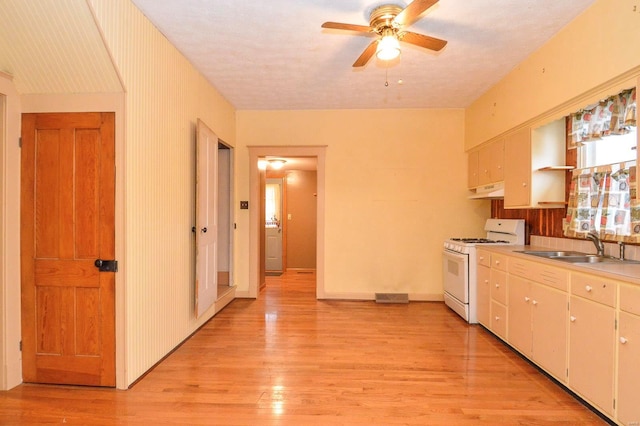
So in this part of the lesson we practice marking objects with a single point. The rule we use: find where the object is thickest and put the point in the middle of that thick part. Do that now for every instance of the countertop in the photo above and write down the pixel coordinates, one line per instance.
(628, 272)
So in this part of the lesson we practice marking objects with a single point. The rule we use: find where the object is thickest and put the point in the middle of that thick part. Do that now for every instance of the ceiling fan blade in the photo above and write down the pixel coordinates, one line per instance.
(412, 11)
(349, 27)
(421, 40)
(366, 55)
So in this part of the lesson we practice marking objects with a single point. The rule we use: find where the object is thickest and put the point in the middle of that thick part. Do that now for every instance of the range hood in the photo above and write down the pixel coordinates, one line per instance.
(493, 191)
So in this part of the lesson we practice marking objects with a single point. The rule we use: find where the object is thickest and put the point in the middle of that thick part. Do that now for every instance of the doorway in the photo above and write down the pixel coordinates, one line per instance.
(256, 227)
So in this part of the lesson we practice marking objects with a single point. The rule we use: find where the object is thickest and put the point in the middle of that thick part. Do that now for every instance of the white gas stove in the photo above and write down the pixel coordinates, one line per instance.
(459, 263)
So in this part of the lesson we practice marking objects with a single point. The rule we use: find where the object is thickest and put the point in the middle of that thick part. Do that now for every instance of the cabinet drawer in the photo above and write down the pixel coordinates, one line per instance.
(630, 299)
(499, 319)
(551, 276)
(499, 262)
(498, 286)
(484, 258)
(521, 268)
(598, 289)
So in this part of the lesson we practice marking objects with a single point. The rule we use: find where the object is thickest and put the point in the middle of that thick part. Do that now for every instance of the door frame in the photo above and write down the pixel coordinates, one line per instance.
(114, 102)
(255, 153)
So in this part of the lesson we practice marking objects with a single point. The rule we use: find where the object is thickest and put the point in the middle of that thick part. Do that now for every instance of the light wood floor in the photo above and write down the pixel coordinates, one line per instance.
(287, 359)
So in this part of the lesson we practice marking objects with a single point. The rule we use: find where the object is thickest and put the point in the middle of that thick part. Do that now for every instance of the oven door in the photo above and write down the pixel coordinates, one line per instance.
(455, 274)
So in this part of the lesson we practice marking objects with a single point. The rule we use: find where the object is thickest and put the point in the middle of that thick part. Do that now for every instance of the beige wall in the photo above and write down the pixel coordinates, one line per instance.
(164, 98)
(301, 228)
(598, 46)
(395, 187)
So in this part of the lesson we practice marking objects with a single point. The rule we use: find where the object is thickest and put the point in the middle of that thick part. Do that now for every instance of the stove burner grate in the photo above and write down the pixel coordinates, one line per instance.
(479, 240)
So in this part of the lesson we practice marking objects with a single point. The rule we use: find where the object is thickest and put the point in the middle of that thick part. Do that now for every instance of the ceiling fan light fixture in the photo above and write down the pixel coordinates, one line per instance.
(388, 47)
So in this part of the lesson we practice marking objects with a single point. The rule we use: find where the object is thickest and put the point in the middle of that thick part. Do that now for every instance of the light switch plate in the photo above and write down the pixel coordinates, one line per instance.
(244, 205)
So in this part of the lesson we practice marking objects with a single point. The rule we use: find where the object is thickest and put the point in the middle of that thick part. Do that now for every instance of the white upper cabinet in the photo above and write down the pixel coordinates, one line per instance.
(534, 171)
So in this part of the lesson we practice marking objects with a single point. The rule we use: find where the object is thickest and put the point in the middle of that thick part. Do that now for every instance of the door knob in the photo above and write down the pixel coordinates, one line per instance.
(106, 265)
(204, 230)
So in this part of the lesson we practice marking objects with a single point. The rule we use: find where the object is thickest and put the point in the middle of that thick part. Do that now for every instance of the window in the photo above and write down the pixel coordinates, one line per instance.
(608, 150)
(605, 133)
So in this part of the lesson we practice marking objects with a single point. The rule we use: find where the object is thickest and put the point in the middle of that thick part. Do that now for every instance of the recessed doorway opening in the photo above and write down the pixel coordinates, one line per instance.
(258, 156)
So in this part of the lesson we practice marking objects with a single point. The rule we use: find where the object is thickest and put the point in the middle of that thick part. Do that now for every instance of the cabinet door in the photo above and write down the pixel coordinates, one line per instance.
(498, 286)
(499, 319)
(628, 369)
(472, 169)
(483, 296)
(519, 332)
(490, 163)
(517, 173)
(549, 311)
(591, 352)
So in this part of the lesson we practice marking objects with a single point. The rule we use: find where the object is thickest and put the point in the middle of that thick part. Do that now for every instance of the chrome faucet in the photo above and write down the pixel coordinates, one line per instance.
(593, 237)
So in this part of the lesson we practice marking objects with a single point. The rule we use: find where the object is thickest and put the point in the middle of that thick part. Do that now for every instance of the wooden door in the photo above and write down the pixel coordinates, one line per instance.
(206, 218)
(67, 202)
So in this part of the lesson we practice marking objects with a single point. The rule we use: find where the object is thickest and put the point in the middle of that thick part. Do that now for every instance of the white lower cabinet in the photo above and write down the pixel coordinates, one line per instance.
(537, 318)
(591, 352)
(483, 292)
(628, 400)
(580, 327)
(549, 318)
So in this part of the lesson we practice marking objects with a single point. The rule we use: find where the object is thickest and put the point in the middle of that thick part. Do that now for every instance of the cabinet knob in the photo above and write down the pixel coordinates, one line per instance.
(497, 285)
(588, 288)
(572, 318)
(486, 281)
(481, 257)
(526, 299)
(623, 340)
(535, 302)
(524, 184)
(497, 318)
(497, 262)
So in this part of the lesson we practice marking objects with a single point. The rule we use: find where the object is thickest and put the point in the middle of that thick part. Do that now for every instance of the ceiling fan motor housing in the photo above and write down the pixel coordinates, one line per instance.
(382, 17)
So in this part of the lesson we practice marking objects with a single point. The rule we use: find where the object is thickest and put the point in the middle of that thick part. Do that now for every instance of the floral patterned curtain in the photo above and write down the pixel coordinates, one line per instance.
(612, 116)
(603, 199)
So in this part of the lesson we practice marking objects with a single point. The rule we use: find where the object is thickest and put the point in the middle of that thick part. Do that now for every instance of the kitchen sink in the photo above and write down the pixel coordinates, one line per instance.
(576, 257)
(552, 254)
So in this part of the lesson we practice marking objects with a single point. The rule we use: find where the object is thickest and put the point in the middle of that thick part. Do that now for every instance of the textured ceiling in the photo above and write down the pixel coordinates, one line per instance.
(274, 54)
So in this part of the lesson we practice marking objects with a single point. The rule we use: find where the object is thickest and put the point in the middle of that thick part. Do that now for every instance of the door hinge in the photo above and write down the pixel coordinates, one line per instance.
(20, 142)
(20, 345)
(615, 324)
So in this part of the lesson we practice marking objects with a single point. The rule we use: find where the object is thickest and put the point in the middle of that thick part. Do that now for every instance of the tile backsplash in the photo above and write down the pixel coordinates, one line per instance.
(586, 246)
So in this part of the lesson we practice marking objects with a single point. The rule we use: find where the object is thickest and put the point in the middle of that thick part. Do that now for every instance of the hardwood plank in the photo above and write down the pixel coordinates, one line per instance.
(287, 358)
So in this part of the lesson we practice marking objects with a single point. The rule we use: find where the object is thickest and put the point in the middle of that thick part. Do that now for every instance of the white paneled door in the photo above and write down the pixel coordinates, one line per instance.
(273, 224)
(206, 229)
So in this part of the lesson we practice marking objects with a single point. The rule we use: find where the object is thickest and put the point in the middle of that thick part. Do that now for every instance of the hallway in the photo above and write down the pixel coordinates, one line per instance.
(289, 359)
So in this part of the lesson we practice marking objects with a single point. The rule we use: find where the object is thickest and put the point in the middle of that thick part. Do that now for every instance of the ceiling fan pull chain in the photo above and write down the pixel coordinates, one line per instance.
(386, 76)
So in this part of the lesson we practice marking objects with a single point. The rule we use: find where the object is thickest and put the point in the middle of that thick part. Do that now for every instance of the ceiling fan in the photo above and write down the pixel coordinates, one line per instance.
(387, 23)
